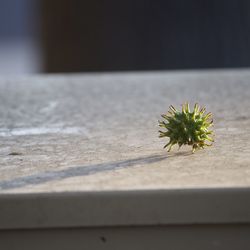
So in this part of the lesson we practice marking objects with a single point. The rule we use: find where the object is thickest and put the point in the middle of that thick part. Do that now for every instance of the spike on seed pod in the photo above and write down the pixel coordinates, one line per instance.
(187, 127)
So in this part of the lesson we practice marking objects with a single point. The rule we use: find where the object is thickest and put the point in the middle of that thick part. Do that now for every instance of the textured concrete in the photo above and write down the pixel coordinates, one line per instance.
(82, 167)
(99, 132)
(83, 151)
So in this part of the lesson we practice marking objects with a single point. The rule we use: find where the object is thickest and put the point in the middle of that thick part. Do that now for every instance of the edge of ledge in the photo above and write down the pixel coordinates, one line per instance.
(125, 208)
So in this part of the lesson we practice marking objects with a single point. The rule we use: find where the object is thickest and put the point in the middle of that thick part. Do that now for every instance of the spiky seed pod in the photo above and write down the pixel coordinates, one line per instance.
(186, 127)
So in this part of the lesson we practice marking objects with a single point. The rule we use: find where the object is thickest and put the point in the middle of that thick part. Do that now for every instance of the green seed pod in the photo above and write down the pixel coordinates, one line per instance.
(186, 127)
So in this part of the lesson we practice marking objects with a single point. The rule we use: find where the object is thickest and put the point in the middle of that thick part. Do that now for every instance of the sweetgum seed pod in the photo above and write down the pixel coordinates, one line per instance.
(187, 127)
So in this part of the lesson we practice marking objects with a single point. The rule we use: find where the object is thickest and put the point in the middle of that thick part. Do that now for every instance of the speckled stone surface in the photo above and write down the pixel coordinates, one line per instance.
(94, 132)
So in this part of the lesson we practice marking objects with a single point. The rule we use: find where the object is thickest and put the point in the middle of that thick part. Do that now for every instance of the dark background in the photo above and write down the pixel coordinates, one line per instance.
(109, 35)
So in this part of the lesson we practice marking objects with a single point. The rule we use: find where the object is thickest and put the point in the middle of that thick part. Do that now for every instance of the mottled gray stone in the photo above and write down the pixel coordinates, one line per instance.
(99, 132)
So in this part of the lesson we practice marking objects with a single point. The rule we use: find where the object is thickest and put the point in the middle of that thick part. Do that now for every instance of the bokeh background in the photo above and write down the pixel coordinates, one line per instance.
(52, 36)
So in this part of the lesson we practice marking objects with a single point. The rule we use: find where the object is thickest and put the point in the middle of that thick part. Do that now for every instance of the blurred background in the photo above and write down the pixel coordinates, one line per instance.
(41, 36)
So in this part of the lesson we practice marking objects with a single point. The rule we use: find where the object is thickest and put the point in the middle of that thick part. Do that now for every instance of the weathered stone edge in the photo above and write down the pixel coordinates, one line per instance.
(125, 208)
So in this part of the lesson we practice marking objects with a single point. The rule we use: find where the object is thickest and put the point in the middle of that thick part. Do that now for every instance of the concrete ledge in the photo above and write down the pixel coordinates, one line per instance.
(82, 167)
(125, 208)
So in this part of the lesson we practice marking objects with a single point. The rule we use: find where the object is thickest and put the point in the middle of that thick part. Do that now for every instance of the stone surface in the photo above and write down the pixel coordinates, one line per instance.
(96, 132)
